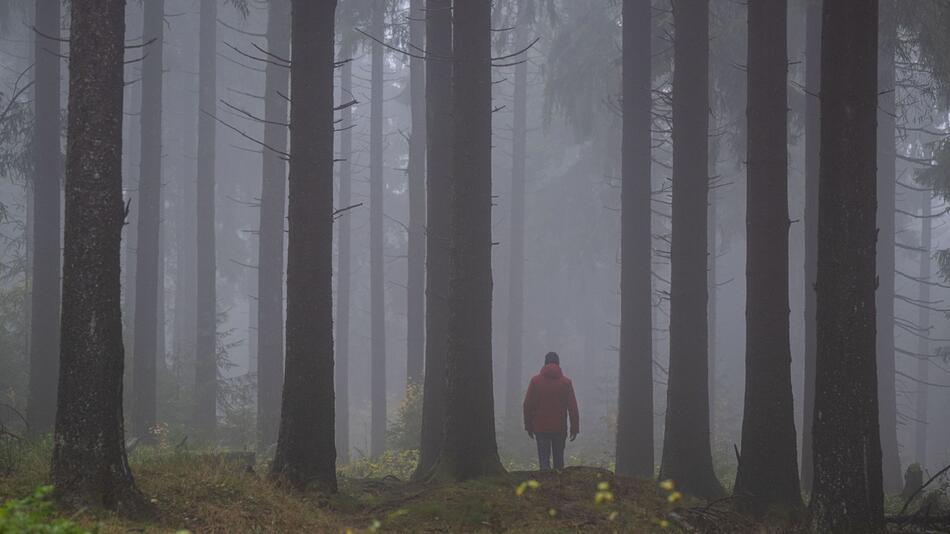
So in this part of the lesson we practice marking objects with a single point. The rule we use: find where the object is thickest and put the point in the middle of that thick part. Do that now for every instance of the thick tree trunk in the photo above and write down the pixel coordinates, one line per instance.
(270, 274)
(886, 184)
(376, 281)
(635, 406)
(768, 466)
(712, 256)
(89, 466)
(306, 453)
(206, 364)
(687, 457)
(923, 321)
(344, 247)
(847, 494)
(439, 157)
(415, 283)
(812, 144)
(147, 283)
(469, 449)
(513, 381)
(46, 264)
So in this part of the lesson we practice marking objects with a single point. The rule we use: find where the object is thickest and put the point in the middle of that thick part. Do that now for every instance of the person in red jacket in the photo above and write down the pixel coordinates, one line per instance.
(547, 405)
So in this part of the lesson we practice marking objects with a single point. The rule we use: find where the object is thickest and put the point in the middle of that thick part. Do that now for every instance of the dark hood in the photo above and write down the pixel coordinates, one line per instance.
(551, 371)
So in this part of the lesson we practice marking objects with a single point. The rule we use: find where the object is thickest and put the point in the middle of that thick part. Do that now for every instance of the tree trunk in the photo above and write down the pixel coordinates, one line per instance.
(415, 284)
(46, 264)
(635, 405)
(469, 449)
(812, 143)
(439, 156)
(847, 494)
(206, 358)
(376, 281)
(767, 476)
(513, 381)
(89, 466)
(923, 321)
(687, 457)
(270, 274)
(886, 184)
(147, 283)
(185, 227)
(344, 247)
(306, 452)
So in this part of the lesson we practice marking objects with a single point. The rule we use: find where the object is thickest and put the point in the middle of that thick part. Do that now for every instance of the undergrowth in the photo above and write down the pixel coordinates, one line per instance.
(200, 492)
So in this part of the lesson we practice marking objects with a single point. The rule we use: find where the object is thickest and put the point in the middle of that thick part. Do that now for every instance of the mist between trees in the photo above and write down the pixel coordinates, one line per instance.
(325, 230)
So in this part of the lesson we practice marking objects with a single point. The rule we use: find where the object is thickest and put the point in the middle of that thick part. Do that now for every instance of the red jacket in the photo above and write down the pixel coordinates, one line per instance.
(549, 401)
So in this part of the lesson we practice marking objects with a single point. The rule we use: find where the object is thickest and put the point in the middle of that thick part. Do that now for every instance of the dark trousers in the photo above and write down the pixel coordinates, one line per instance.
(550, 443)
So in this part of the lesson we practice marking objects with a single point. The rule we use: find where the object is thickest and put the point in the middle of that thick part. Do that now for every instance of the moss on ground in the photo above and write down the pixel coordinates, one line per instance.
(197, 493)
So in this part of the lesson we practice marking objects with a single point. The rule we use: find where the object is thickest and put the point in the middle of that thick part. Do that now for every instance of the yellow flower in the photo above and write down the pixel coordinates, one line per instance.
(673, 497)
(667, 485)
(525, 486)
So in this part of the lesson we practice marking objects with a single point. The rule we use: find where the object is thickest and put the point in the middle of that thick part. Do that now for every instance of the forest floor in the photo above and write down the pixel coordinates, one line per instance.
(195, 493)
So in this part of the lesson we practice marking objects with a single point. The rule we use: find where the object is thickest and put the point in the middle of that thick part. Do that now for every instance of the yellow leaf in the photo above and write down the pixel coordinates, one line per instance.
(519, 491)
(533, 484)
(673, 497)
(667, 485)
(603, 486)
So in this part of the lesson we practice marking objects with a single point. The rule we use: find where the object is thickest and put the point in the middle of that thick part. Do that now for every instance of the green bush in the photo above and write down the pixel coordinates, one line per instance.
(399, 464)
(404, 432)
(34, 515)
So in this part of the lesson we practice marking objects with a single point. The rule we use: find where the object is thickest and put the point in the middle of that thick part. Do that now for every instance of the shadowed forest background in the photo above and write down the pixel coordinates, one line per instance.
(331, 242)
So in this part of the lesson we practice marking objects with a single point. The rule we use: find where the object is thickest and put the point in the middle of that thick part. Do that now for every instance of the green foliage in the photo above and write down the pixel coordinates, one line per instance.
(403, 433)
(34, 515)
(398, 464)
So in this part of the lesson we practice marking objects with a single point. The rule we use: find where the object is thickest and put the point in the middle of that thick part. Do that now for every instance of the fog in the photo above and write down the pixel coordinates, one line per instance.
(572, 220)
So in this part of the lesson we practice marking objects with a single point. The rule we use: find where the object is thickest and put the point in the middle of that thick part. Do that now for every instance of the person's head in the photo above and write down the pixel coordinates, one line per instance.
(552, 357)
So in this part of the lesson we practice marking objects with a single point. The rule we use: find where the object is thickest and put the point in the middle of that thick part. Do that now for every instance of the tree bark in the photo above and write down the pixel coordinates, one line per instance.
(185, 227)
(344, 247)
(469, 449)
(147, 283)
(89, 466)
(812, 144)
(687, 457)
(767, 477)
(376, 281)
(415, 284)
(847, 493)
(46, 264)
(270, 274)
(513, 382)
(635, 405)
(306, 453)
(923, 321)
(439, 156)
(886, 184)
(206, 358)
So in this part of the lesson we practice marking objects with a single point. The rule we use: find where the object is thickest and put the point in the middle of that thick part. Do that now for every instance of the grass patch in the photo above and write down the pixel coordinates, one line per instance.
(199, 493)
